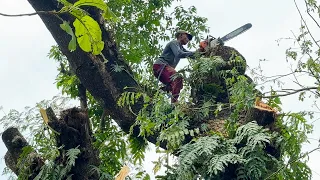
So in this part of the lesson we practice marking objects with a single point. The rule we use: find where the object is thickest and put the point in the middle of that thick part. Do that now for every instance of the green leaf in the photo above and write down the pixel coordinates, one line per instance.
(65, 2)
(197, 130)
(186, 131)
(67, 28)
(191, 133)
(75, 11)
(107, 13)
(96, 3)
(147, 177)
(89, 35)
(277, 100)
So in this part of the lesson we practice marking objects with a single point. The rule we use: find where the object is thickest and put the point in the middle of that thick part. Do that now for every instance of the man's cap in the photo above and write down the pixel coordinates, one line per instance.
(184, 32)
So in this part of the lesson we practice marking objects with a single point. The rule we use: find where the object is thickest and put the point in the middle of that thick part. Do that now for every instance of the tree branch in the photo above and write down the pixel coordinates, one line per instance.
(82, 96)
(290, 93)
(29, 14)
(292, 161)
(277, 77)
(308, 11)
(306, 24)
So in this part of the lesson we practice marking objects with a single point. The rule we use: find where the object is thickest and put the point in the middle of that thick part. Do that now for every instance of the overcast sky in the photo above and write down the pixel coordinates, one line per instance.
(27, 75)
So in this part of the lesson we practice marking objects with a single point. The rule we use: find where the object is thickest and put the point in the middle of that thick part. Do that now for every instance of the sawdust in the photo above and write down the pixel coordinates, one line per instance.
(218, 125)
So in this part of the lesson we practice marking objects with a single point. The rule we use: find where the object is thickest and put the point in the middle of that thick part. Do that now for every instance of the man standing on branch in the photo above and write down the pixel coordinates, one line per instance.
(164, 66)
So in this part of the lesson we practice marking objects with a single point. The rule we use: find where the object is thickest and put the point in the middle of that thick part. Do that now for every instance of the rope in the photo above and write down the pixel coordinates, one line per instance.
(161, 70)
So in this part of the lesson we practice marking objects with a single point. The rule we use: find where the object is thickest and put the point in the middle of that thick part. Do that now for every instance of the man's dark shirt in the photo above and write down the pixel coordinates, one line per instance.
(172, 54)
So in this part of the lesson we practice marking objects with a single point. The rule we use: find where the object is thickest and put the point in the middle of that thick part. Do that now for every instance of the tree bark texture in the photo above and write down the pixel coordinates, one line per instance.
(15, 142)
(71, 131)
(74, 132)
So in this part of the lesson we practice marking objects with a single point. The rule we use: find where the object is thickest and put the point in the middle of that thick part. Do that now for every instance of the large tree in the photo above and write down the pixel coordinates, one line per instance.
(211, 137)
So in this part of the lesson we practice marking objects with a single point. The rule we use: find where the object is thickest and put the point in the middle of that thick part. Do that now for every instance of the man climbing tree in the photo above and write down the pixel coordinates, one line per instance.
(164, 66)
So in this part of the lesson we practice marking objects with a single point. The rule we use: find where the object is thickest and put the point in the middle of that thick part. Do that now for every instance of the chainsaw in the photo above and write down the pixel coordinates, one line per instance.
(213, 42)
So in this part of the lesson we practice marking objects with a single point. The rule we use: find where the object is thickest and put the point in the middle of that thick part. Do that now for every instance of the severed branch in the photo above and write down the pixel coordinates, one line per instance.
(15, 144)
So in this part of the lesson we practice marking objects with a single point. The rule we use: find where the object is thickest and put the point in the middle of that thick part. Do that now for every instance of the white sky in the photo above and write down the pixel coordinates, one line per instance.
(27, 75)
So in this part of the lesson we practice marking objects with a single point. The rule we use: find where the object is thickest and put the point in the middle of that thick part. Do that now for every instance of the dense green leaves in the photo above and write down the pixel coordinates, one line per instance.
(144, 27)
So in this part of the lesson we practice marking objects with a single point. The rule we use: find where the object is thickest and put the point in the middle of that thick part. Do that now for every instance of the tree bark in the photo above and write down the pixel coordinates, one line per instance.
(82, 96)
(71, 131)
(74, 132)
(15, 144)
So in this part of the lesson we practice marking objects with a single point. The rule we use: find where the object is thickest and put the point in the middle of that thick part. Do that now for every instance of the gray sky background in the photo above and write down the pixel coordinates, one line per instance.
(27, 75)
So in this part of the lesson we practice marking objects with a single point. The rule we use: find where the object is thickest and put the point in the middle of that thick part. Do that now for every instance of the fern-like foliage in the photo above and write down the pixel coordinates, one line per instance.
(52, 171)
(210, 156)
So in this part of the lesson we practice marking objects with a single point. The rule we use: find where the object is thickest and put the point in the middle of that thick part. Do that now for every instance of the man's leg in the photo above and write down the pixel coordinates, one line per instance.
(177, 85)
(165, 77)
(159, 71)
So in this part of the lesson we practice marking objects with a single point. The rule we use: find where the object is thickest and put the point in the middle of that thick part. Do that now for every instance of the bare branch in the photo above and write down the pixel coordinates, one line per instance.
(290, 93)
(29, 14)
(306, 24)
(277, 77)
(308, 11)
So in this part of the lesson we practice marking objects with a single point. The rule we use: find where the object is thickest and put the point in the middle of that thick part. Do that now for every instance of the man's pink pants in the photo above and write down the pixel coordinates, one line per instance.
(165, 77)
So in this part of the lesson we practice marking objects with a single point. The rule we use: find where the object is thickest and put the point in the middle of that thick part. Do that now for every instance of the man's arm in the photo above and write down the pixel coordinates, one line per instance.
(178, 52)
(184, 50)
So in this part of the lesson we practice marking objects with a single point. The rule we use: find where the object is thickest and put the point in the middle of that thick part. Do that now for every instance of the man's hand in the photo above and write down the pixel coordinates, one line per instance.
(201, 51)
